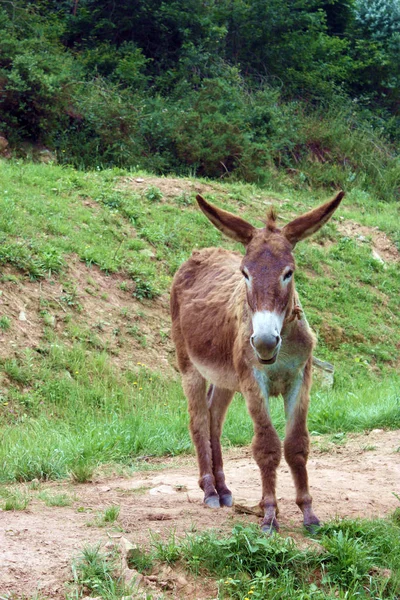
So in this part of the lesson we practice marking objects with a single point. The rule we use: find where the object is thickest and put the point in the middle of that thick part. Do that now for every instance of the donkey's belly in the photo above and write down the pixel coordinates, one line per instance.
(223, 377)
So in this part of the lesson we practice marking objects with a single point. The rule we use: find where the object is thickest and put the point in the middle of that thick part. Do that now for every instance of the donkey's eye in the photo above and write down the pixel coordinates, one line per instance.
(245, 274)
(287, 275)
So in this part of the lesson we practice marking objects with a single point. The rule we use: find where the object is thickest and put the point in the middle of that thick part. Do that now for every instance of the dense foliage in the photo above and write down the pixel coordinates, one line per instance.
(212, 88)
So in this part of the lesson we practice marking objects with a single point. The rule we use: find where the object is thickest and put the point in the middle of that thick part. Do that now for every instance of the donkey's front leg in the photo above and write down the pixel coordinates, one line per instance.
(297, 444)
(266, 451)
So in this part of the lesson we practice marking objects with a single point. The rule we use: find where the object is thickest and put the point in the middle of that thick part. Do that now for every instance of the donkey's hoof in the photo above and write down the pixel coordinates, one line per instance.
(226, 500)
(212, 501)
(270, 527)
(313, 527)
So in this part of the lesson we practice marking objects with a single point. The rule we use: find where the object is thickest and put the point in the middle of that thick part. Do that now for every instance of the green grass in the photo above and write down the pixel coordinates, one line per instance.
(60, 499)
(82, 411)
(14, 498)
(348, 559)
(108, 517)
(98, 574)
(66, 408)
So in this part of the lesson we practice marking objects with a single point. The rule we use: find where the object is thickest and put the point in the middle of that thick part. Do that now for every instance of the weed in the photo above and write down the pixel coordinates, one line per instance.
(98, 573)
(5, 323)
(82, 471)
(55, 499)
(134, 331)
(143, 289)
(15, 498)
(141, 561)
(111, 514)
(250, 565)
(153, 194)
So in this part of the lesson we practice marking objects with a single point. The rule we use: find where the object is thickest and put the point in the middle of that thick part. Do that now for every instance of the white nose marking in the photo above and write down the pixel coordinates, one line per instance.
(267, 323)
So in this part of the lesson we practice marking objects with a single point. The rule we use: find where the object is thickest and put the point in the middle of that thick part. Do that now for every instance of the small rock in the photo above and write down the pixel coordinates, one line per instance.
(377, 256)
(3, 143)
(129, 551)
(104, 488)
(181, 581)
(162, 489)
(377, 431)
(46, 156)
(147, 252)
(131, 575)
(110, 546)
(22, 316)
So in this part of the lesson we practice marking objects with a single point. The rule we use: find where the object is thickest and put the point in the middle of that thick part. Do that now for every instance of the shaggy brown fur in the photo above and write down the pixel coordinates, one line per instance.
(237, 323)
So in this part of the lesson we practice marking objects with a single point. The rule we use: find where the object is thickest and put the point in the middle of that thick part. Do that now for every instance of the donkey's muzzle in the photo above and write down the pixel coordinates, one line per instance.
(266, 347)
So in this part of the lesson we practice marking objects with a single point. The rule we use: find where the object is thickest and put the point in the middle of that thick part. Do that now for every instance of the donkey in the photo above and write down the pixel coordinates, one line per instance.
(237, 323)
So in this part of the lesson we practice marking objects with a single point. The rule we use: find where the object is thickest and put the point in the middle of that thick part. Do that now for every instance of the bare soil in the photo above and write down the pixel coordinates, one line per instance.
(355, 478)
(382, 245)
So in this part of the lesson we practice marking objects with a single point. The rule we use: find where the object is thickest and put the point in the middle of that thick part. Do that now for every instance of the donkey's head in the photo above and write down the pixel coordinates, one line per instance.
(268, 266)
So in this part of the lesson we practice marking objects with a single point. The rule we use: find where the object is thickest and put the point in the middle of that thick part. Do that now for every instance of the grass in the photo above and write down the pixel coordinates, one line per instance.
(67, 407)
(59, 500)
(348, 559)
(98, 574)
(82, 411)
(108, 517)
(14, 498)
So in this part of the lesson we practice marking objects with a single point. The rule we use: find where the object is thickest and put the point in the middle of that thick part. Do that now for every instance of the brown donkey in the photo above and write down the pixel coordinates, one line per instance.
(237, 323)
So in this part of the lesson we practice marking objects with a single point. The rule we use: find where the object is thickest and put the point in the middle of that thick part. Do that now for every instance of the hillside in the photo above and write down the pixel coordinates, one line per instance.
(87, 260)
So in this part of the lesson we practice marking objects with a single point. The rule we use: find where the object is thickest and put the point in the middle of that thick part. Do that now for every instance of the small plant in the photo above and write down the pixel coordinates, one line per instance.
(56, 499)
(153, 194)
(141, 560)
(98, 573)
(108, 517)
(15, 499)
(82, 472)
(143, 289)
(111, 514)
(5, 323)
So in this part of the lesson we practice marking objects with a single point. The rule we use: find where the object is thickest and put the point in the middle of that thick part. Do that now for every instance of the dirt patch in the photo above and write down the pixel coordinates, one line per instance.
(381, 243)
(170, 187)
(352, 477)
(87, 304)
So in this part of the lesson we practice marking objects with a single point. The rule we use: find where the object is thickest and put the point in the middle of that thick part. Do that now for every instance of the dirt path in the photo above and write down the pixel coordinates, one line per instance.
(354, 477)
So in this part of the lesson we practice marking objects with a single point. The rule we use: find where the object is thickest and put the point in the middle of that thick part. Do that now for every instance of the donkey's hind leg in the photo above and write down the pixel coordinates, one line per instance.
(218, 401)
(194, 386)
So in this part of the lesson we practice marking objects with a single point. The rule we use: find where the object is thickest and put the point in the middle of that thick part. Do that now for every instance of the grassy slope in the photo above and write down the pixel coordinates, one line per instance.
(67, 406)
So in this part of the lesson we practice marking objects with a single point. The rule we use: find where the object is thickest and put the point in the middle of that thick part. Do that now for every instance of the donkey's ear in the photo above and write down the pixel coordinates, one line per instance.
(307, 224)
(234, 227)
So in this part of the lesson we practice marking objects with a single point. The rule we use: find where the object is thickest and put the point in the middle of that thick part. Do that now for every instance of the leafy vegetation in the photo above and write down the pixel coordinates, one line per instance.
(240, 88)
(67, 408)
(349, 559)
(98, 572)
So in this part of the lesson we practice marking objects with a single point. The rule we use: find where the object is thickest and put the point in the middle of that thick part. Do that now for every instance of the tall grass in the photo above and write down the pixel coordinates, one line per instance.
(81, 411)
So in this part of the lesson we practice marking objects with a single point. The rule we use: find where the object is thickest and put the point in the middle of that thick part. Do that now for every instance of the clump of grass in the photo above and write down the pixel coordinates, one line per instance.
(55, 499)
(5, 323)
(15, 498)
(108, 517)
(98, 574)
(82, 471)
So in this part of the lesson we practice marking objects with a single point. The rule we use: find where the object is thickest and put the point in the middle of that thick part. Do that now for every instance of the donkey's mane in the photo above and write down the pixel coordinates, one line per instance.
(272, 216)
